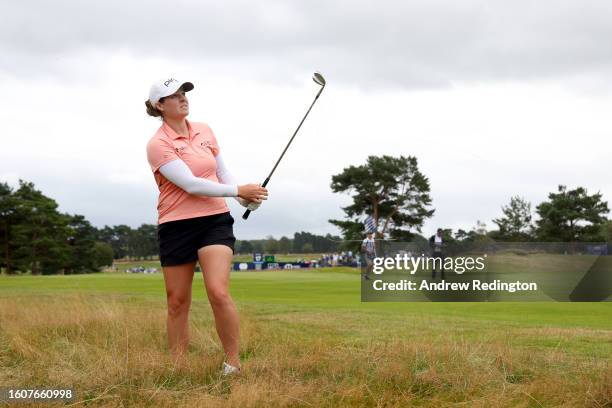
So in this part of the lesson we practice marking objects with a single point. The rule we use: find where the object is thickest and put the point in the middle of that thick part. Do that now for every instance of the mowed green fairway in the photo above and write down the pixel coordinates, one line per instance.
(307, 340)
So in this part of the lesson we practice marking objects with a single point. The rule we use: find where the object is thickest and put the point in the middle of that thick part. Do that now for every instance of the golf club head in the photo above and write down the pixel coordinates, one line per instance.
(318, 78)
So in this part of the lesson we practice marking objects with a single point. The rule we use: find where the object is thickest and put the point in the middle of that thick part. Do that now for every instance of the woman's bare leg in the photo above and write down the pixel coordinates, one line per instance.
(215, 261)
(178, 281)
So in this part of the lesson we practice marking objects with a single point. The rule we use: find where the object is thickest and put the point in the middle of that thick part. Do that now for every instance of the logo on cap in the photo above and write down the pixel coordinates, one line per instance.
(169, 81)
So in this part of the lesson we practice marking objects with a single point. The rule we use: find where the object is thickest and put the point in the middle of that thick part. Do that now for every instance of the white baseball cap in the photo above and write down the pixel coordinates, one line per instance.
(166, 87)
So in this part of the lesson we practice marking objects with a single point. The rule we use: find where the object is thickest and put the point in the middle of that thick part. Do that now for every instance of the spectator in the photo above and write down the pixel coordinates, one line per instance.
(368, 251)
(436, 243)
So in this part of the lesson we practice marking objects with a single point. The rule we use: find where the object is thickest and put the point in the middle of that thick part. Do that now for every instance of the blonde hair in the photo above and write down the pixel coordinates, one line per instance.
(152, 110)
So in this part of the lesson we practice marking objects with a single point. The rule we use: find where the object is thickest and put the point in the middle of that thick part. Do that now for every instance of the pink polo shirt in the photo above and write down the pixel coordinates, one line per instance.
(198, 151)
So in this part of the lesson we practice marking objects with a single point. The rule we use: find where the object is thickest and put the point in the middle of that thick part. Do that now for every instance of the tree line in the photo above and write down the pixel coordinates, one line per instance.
(394, 192)
(35, 236)
(302, 243)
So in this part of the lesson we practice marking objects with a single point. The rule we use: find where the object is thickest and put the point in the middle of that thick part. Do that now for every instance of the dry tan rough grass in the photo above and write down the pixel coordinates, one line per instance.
(113, 351)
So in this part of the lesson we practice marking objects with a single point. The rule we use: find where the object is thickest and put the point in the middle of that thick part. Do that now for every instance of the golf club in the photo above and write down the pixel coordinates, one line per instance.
(318, 78)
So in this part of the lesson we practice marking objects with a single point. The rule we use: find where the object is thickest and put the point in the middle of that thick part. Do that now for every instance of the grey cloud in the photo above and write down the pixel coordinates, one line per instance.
(387, 43)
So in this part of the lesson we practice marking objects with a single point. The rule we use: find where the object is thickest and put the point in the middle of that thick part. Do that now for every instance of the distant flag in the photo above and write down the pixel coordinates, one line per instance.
(370, 225)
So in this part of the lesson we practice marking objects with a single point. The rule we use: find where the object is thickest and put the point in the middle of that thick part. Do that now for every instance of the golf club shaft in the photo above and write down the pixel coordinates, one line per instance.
(265, 183)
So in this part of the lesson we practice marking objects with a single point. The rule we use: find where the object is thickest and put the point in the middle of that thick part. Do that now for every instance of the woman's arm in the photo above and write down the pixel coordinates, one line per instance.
(223, 173)
(226, 177)
(180, 174)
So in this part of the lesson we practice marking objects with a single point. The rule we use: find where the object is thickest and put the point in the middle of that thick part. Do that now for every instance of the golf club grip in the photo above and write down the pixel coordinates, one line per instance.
(247, 212)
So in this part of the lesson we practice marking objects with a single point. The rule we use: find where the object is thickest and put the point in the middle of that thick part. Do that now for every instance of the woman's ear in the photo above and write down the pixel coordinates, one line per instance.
(158, 106)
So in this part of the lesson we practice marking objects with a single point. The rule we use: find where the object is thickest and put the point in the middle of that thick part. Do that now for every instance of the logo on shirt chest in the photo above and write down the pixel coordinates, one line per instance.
(206, 145)
(201, 147)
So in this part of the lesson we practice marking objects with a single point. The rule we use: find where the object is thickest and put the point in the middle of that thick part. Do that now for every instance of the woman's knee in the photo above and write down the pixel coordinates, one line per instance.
(178, 304)
(219, 297)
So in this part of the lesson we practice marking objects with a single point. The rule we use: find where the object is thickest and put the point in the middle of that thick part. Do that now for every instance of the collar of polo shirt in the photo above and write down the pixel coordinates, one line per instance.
(173, 135)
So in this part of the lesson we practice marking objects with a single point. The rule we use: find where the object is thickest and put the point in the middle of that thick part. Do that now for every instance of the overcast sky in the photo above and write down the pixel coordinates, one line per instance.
(494, 98)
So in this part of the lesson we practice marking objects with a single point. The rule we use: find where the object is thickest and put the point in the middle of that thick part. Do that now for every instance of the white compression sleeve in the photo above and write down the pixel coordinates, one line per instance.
(223, 173)
(180, 174)
(226, 177)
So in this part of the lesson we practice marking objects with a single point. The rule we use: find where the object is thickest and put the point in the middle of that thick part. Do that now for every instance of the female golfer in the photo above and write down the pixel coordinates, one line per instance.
(194, 223)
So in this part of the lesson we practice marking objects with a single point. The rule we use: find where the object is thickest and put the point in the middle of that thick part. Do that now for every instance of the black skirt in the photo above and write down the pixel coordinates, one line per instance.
(180, 240)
